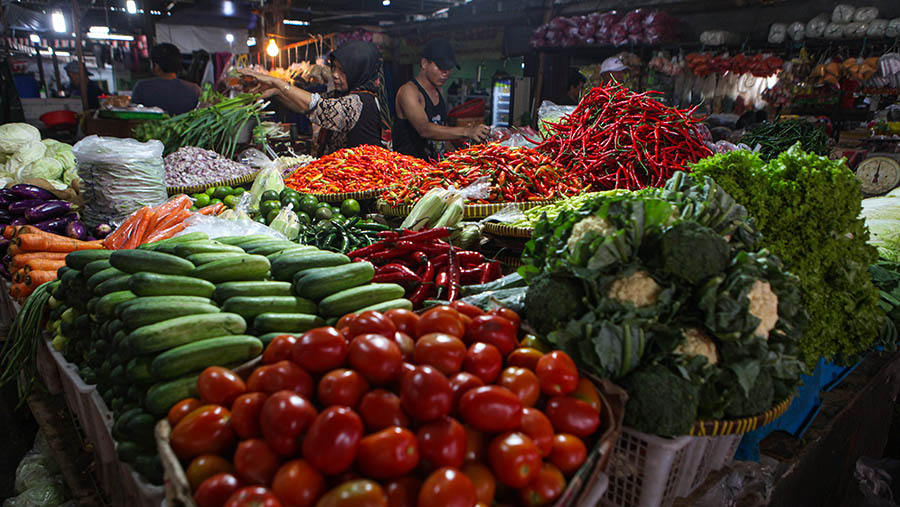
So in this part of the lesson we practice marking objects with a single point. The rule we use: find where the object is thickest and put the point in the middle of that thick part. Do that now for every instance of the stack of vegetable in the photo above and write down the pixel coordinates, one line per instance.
(384, 407)
(24, 156)
(31, 205)
(508, 174)
(190, 166)
(808, 209)
(667, 292)
(18, 355)
(355, 170)
(617, 138)
(775, 138)
(157, 223)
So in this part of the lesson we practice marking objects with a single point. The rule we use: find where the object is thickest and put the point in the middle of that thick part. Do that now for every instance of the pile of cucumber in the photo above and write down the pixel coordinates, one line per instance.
(142, 324)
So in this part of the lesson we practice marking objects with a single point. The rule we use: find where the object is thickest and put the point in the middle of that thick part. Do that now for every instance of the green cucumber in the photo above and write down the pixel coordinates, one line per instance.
(78, 260)
(317, 283)
(234, 269)
(134, 261)
(143, 314)
(183, 330)
(270, 248)
(201, 354)
(400, 303)
(164, 395)
(203, 258)
(92, 304)
(114, 284)
(237, 240)
(140, 429)
(127, 452)
(103, 276)
(250, 245)
(286, 266)
(155, 284)
(291, 250)
(169, 248)
(114, 327)
(191, 236)
(350, 300)
(165, 300)
(95, 267)
(267, 338)
(189, 249)
(281, 323)
(228, 290)
(118, 429)
(251, 306)
(119, 337)
(106, 306)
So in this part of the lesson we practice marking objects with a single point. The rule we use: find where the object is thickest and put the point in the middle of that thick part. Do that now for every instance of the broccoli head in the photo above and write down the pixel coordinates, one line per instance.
(659, 401)
(552, 300)
(758, 400)
(692, 252)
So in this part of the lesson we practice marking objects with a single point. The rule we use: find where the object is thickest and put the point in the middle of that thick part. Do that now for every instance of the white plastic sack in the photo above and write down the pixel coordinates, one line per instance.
(877, 28)
(865, 14)
(834, 31)
(797, 31)
(777, 33)
(855, 29)
(120, 176)
(815, 27)
(843, 13)
(216, 227)
(893, 28)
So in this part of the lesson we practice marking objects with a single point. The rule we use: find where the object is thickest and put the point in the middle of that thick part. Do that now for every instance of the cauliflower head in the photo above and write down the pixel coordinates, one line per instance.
(763, 306)
(593, 223)
(697, 343)
(639, 288)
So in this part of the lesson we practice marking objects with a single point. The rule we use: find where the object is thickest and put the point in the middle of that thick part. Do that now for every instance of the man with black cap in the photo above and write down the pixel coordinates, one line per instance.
(76, 73)
(419, 129)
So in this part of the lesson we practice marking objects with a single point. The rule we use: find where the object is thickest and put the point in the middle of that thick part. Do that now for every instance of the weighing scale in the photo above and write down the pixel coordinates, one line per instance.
(879, 173)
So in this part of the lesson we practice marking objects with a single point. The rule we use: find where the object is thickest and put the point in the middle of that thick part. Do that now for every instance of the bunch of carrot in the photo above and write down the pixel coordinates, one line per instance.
(156, 223)
(36, 255)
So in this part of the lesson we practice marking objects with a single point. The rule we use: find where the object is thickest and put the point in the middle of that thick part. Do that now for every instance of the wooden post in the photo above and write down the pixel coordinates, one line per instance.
(76, 27)
(542, 62)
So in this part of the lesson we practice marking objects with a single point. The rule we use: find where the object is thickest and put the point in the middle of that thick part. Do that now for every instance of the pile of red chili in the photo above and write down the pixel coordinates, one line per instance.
(617, 138)
(515, 175)
(355, 170)
(426, 266)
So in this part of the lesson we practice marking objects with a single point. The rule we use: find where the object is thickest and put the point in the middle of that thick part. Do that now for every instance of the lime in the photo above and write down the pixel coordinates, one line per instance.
(210, 191)
(271, 215)
(238, 191)
(269, 195)
(338, 218)
(221, 192)
(350, 207)
(293, 201)
(303, 217)
(308, 204)
(288, 192)
(215, 201)
(193, 208)
(229, 200)
(261, 219)
(201, 200)
(266, 206)
(323, 213)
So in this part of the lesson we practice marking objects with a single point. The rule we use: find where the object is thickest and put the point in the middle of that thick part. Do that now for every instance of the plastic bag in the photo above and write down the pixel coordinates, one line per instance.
(843, 13)
(865, 14)
(893, 28)
(287, 222)
(878, 478)
(268, 178)
(834, 31)
(777, 33)
(120, 176)
(47, 493)
(855, 29)
(217, 227)
(518, 141)
(508, 215)
(551, 113)
(877, 28)
(796, 31)
(815, 28)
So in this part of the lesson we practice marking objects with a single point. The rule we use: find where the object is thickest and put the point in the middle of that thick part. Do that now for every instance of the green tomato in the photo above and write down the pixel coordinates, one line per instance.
(268, 206)
(295, 202)
(350, 207)
(269, 195)
(261, 219)
(215, 201)
(210, 191)
(230, 200)
(308, 204)
(222, 192)
(201, 200)
(303, 217)
(270, 216)
(238, 191)
(323, 213)
(338, 218)
(288, 192)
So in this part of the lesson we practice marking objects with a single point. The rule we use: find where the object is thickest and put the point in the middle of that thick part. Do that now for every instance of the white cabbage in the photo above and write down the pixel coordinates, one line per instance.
(28, 153)
(60, 151)
(15, 135)
(882, 215)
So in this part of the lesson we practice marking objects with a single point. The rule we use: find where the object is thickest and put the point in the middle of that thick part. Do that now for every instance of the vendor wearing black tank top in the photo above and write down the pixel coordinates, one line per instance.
(352, 116)
(419, 129)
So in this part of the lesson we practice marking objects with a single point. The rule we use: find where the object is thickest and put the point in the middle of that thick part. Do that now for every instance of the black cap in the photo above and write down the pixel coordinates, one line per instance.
(441, 53)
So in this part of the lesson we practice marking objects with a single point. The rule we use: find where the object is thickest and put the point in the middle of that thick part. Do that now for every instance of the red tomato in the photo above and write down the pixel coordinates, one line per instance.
(331, 443)
(523, 383)
(181, 409)
(406, 344)
(558, 373)
(284, 418)
(319, 350)
(372, 322)
(569, 415)
(377, 358)
(283, 375)
(536, 425)
(442, 443)
(444, 352)
(587, 393)
(255, 462)
(219, 386)
(388, 454)
(483, 479)
(344, 322)
(484, 361)
(568, 453)
(245, 413)
(206, 430)
(205, 466)
(447, 487)
(279, 349)
(514, 459)
(440, 319)
(462, 382)
(497, 331)
(506, 313)
(524, 357)
(381, 409)
(216, 490)
(253, 496)
(298, 484)
(355, 493)
(491, 408)
(405, 320)
(426, 394)
(466, 309)
(342, 387)
(545, 488)
(476, 446)
(403, 492)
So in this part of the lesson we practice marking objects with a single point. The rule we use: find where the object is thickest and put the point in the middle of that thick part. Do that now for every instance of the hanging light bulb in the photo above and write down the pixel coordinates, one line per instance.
(272, 48)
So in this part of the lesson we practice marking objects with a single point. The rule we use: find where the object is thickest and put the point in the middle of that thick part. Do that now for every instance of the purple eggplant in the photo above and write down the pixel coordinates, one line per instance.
(19, 221)
(19, 208)
(4, 272)
(5, 192)
(5, 217)
(23, 191)
(56, 225)
(76, 229)
(47, 210)
(4, 244)
(102, 231)
(5, 201)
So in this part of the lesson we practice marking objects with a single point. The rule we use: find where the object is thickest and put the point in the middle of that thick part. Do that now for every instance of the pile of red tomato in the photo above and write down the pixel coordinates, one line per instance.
(363, 414)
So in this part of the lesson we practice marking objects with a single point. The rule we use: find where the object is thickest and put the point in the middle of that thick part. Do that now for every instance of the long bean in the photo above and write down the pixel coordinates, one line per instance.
(19, 352)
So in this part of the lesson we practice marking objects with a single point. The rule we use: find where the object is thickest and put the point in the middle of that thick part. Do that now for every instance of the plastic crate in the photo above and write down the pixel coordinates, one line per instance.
(77, 393)
(136, 492)
(705, 455)
(644, 470)
(48, 367)
(98, 427)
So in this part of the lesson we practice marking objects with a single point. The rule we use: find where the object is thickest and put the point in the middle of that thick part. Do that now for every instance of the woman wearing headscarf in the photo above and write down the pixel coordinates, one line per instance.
(355, 113)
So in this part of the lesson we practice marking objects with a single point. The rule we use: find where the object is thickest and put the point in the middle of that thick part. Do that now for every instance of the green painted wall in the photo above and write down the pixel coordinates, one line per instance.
(469, 70)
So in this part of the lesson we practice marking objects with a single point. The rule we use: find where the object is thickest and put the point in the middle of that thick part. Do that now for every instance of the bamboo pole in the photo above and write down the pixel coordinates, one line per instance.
(76, 26)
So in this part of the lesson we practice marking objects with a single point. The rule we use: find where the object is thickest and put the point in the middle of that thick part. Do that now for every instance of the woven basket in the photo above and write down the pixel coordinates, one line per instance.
(740, 426)
(470, 211)
(359, 196)
(193, 189)
(508, 231)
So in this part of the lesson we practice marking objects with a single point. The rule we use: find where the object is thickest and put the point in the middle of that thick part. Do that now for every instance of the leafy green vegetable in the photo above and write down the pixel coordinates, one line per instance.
(659, 401)
(775, 138)
(691, 253)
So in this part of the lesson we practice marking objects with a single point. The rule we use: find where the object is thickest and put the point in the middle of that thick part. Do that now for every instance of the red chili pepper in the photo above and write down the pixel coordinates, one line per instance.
(397, 268)
(368, 250)
(453, 276)
(491, 272)
(427, 286)
(382, 257)
(396, 277)
(471, 276)
(427, 235)
(440, 281)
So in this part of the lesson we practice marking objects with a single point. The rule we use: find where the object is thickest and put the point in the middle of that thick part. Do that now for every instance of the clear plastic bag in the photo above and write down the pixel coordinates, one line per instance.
(893, 28)
(865, 14)
(815, 28)
(797, 31)
(551, 113)
(843, 13)
(834, 30)
(777, 33)
(47, 493)
(120, 176)
(217, 227)
(877, 28)
(878, 479)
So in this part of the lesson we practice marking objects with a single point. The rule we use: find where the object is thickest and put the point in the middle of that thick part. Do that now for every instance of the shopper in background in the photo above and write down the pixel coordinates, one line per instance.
(573, 90)
(76, 73)
(166, 91)
(612, 69)
(420, 127)
(356, 114)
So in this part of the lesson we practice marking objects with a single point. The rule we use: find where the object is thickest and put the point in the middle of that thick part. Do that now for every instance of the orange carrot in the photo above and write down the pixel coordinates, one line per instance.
(119, 236)
(40, 243)
(10, 230)
(14, 250)
(20, 291)
(36, 278)
(43, 265)
(18, 276)
(134, 238)
(19, 261)
(177, 203)
(174, 218)
(160, 235)
(212, 209)
(152, 222)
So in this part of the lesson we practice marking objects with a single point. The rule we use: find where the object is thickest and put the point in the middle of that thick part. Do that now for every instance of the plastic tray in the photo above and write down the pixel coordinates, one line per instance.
(131, 115)
(48, 368)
